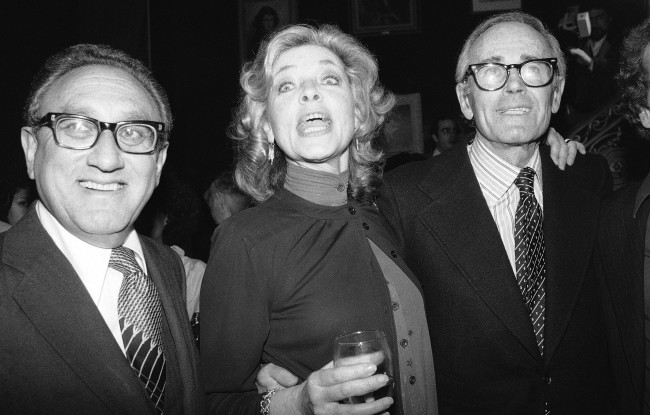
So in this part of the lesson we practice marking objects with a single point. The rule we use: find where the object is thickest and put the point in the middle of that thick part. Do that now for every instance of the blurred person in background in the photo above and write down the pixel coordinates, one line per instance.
(17, 192)
(592, 63)
(171, 217)
(224, 198)
(446, 132)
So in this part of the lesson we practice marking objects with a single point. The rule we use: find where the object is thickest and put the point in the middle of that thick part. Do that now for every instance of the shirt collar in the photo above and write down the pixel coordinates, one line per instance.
(641, 195)
(595, 46)
(90, 262)
(495, 175)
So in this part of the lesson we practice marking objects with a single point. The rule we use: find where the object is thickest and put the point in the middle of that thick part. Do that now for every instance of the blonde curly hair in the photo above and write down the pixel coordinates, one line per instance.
(259, 178)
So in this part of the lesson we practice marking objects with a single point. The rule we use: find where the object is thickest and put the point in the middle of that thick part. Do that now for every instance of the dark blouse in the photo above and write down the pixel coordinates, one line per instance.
(284, 279)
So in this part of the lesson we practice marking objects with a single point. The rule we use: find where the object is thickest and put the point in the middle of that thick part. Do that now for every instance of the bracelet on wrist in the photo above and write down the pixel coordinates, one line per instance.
(265, 404)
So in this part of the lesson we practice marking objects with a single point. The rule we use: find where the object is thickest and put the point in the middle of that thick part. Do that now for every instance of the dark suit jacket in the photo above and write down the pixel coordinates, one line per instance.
(56, 353)
(591, 89)
(484, 350)
(620, 260)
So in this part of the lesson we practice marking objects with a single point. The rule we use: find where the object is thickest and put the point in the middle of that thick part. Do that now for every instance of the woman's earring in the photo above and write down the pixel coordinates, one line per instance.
(356, 143)
(271, 152)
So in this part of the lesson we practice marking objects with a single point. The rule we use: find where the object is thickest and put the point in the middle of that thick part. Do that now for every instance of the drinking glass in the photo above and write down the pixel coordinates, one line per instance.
(368, 346)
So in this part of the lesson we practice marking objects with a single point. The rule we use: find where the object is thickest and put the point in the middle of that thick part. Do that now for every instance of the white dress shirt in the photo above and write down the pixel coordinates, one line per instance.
(595, 49)
(91, 264)
(496, 177)
(194, 270)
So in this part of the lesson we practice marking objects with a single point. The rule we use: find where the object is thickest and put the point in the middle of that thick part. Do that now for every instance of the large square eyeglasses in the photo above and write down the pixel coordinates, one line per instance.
(491, 76)
(79, 132)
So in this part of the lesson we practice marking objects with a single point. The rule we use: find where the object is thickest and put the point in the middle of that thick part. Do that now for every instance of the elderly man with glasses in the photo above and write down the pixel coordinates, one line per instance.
(501, 239)
(92, 314)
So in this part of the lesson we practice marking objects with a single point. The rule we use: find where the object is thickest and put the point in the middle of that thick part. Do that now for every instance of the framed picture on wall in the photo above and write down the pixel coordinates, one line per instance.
(257, 18)
(479, 6)
(382, 17)
(403, 130)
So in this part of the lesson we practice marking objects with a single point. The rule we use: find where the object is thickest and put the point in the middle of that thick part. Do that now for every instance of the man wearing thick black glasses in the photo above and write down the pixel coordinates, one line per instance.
(92, 314)
(501, 239)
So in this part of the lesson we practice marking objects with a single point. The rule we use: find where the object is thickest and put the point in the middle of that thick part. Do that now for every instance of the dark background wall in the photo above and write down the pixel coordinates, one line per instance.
(193, 49)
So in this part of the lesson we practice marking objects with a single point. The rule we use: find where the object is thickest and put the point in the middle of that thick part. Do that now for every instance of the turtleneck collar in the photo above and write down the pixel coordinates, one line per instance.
(317, 186)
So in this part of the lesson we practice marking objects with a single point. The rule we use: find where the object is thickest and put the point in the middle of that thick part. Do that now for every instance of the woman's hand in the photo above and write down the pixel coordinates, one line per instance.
(563, 153)
(323, 390)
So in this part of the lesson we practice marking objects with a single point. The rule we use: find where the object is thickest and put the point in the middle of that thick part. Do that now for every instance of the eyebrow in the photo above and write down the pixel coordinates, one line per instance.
(326, 62)
(129, 116)
(499, 59)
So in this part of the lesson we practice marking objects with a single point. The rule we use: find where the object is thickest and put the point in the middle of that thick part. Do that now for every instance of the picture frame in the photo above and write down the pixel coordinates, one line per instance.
(258, 17)
(384, 17)
(481, 6)
(403, 132)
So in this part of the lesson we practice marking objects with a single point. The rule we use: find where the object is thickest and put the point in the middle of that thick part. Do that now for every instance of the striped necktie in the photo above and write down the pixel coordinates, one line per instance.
(140, 316)
(529, 253)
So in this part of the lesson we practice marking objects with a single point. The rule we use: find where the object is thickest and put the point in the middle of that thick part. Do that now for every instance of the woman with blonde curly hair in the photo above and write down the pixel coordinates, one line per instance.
(314, 259)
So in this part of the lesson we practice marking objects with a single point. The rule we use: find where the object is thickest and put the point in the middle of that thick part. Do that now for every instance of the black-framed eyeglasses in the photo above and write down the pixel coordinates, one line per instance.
(79, 132)
(491, 76)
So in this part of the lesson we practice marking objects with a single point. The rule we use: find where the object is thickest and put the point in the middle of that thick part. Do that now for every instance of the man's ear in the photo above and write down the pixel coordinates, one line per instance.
(30, 144)
(160, 161)
(464, 100)
(557, 96)
(644, 117)
(435, 138)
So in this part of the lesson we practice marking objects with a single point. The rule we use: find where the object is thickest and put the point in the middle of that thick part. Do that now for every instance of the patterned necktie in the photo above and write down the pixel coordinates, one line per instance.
(529, 252)
(140, 315)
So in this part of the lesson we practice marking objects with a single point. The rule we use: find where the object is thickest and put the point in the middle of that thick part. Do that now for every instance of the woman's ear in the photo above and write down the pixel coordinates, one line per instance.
(357, 118)
(644, 117)
(269, 132)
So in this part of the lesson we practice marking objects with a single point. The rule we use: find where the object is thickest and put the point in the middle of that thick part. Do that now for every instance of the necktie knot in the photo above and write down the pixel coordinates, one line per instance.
(524, 181)
(123, 260)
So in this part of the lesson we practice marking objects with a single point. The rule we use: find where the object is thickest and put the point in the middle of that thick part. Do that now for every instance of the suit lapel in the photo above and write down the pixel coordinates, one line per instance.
(570, 223)
(58, 305)
(459, 220)
(180, 352)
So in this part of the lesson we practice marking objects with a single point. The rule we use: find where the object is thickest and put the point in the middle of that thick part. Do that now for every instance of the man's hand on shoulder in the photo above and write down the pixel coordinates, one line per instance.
(563, 152)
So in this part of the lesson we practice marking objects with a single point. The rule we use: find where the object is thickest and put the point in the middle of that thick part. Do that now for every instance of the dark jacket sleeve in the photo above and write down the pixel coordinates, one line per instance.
(234, 325)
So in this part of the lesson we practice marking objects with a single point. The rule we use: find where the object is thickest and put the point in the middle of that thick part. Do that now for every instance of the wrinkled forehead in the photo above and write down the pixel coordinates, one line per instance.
(99, 91)
(302, 56)
(510, 42)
